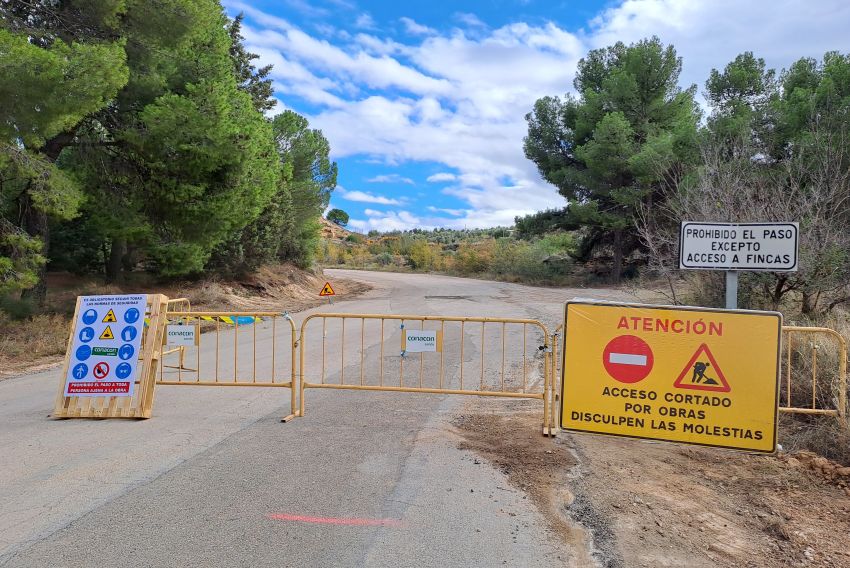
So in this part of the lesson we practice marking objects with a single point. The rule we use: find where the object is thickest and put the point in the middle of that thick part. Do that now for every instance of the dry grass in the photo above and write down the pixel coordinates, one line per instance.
(823, 435)
(818, 383)
(38, 340)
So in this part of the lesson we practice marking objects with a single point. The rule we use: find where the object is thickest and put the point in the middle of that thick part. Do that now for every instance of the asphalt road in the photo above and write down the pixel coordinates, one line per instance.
(214, 479)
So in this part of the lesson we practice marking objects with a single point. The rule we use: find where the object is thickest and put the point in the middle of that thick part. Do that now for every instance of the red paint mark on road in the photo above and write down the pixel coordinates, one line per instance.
(354, 521)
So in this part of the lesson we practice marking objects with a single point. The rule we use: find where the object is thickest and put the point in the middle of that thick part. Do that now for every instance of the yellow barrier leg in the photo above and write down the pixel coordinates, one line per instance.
(546, 388)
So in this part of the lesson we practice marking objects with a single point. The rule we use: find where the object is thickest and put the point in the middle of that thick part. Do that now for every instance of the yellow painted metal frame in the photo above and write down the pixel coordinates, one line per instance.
(549, 424)
(215, 381)
(841, 411)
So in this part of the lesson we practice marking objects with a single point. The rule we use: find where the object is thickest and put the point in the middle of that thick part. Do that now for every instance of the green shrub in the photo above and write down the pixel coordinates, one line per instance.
(17, 309)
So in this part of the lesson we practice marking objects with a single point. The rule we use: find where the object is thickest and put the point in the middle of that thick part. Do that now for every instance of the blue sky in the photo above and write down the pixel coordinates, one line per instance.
(423, 101)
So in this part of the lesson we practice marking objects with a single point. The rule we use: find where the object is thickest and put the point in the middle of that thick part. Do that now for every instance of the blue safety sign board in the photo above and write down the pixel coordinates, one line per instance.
(102, 361)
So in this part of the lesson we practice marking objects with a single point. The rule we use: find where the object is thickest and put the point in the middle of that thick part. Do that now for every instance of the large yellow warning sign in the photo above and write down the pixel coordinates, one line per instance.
(692, 375)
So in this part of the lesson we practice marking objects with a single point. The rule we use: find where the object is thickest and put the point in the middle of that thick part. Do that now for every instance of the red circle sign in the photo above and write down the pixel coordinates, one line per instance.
(627, 359)
(100, 370)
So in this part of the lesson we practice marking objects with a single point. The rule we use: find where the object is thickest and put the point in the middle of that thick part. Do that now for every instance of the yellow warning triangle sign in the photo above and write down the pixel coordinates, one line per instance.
(107, 333)
(703, 373)
(109, 318)
(327, 290)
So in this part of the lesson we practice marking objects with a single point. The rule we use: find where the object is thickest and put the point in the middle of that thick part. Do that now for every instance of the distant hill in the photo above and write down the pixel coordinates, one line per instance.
(333, 231)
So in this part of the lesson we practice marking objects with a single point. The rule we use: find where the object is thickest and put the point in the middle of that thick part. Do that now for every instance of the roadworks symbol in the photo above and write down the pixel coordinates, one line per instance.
(107, 333)
(327, 290)
(109, 318)
(703, 373)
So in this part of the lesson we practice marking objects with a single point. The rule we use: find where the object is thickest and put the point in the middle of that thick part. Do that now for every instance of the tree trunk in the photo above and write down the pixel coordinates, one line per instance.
(35, 223)
(778, 291)
(130, 258)
(618, 255)
(809, 303)
(114, 265)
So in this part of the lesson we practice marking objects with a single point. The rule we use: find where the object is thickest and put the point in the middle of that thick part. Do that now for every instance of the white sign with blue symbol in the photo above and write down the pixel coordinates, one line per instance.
(104, 363)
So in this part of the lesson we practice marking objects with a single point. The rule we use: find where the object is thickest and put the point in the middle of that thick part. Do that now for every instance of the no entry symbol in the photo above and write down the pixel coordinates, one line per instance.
(627, 359)
(100, 370)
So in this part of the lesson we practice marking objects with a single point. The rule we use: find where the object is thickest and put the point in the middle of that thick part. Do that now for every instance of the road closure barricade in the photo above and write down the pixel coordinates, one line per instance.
(480, 356)
(240, 349)
(815, 375)
(450, 355)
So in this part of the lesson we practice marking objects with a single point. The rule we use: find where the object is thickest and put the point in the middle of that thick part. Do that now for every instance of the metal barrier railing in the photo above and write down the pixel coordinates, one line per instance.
(515, 358)
(240, 349)
(557, 343)
(827, 393)
(455, 369)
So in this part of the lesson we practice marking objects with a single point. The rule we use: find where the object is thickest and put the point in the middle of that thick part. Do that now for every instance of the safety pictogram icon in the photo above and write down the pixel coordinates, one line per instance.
(702, 373)
(100, 370)
(628, 359)
(327, 290)
(109, 317)
(107, 333)
(80, 371)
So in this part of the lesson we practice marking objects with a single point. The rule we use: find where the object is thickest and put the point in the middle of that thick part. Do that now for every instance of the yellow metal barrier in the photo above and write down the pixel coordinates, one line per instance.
(513, 361)
(179, 305)
(557, 343)
(828, 383)
(239, 349)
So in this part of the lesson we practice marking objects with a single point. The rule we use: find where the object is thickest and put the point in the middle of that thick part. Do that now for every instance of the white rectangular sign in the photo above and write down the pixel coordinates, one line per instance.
(106, 345)
(739, 246)
(181, 335)
(420, 341)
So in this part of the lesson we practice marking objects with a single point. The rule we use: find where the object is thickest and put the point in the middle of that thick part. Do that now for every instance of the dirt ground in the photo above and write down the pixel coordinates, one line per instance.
(650, 504)
(38, 343)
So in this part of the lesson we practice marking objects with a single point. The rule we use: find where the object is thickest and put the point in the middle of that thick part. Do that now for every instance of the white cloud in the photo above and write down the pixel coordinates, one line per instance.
(440, 177)
(470, 20)
(401, 220)
(458, 98)
(375, 72)
(391, 178)
(365, 21)
(380, 46)
(364, 197)
(307, 8)
(414, 28)
(454, 212)
(389, 221)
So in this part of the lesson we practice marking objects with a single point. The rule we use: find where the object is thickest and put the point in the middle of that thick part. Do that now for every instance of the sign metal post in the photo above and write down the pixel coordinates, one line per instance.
(731, 289)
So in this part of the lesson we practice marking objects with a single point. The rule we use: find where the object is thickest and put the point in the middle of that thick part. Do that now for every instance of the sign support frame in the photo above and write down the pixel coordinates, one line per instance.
(140, 405)
(731, 289)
